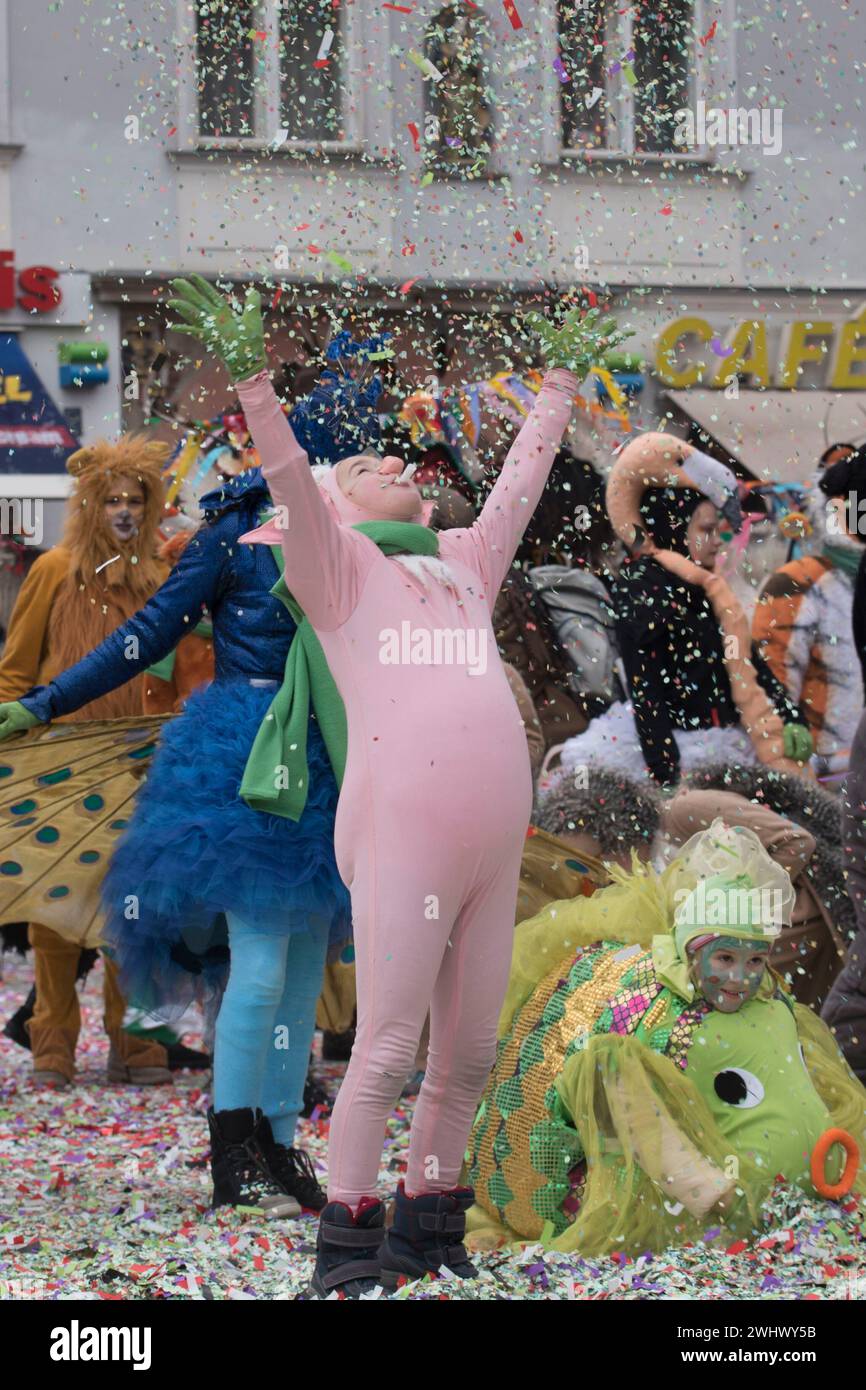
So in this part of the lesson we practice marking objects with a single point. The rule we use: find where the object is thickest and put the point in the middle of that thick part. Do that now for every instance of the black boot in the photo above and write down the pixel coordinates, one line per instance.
(241, 1174)
(182, 1058)
(16, 1028)
(347, 1249)
(337, 1047)
(427, 1233)
(294, 1171)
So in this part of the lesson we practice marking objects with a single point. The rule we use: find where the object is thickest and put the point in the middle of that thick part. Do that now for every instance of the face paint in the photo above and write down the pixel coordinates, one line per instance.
(728, 972)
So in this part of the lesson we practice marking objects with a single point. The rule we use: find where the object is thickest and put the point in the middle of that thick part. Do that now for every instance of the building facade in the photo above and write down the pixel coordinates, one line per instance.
(432, 169)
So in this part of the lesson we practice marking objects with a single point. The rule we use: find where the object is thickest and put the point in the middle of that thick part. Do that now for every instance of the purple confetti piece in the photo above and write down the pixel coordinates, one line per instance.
(559, 69)
(613, 69)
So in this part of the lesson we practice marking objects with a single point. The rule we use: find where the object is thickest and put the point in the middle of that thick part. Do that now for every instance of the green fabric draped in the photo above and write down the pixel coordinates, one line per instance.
(276, 777)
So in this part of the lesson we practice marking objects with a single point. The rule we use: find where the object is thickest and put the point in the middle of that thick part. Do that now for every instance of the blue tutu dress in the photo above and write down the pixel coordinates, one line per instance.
(193, 850)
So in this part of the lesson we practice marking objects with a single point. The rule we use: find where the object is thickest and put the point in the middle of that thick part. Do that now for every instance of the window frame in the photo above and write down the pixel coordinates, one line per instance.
(266, 107)
(555, 151)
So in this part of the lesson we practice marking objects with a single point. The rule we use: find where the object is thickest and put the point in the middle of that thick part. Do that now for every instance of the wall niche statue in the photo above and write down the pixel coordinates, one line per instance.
(458, 124)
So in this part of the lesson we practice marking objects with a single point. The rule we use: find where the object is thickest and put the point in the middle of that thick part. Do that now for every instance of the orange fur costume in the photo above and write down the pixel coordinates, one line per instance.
(73, 597)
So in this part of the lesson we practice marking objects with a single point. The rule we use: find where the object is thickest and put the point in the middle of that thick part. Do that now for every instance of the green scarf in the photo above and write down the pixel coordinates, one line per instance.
(279, 753)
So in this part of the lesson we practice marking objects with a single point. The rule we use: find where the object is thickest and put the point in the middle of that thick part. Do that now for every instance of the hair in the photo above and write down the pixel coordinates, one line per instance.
(618, 812)
(833, 449)
(108, 580)
(666, 513)
(557, 525)
(87, 534)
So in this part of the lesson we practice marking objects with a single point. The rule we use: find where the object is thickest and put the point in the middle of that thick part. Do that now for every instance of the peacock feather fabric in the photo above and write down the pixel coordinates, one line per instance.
(66, 795)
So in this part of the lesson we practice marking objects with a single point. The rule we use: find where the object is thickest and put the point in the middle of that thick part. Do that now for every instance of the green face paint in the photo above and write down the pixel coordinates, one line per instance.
(728, 971)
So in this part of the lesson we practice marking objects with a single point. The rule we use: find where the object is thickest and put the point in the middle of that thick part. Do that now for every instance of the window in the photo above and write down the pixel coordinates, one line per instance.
(271, 72)
(638, 62)
(224, 68)
(310, 91)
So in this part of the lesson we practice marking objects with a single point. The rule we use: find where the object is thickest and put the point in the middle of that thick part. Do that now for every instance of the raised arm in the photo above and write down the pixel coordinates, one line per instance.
(323, 562)
(489, 546)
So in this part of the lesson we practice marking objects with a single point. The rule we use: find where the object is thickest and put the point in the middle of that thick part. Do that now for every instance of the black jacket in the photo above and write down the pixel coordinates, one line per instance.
(674, 659)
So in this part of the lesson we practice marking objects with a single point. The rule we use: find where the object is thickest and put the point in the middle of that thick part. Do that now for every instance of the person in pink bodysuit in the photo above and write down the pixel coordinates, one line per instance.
(432, 928)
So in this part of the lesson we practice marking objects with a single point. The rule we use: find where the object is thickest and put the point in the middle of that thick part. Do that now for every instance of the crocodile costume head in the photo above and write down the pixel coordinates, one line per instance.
(624, 1110)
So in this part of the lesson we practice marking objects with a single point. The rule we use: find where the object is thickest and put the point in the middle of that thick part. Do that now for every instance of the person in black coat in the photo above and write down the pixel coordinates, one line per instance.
(670, 641)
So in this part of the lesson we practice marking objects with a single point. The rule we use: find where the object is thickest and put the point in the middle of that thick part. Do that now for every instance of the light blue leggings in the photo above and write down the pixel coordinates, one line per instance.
(265, 1025)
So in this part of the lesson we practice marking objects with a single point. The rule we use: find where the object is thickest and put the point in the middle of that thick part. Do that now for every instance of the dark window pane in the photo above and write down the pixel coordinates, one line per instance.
(225, 67)
(310, 96)
(585, 52)
(663, 59)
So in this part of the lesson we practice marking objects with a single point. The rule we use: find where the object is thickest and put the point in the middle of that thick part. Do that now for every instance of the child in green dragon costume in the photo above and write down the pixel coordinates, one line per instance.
(653, 1077)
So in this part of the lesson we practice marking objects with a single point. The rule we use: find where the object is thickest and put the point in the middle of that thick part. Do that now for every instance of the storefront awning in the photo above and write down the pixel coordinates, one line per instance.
(777, 436)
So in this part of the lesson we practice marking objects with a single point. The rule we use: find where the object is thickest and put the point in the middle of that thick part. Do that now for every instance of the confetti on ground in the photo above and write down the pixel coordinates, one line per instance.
(104, 1194)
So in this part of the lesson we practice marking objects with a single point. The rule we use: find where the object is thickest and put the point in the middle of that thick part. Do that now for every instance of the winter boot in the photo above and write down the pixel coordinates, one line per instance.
(182, 1058)
(293, 1170)
(125, 1073)
(427, 1233)
(241, 1174)
(16, 1028)
(337, 1047)
(347, 1249)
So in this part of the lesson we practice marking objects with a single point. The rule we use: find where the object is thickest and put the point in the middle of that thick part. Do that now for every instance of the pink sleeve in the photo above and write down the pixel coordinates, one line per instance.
(489, 546)
(325, 563)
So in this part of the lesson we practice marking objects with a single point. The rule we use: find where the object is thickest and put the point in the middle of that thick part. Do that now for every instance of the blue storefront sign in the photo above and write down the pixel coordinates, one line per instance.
(34, 436)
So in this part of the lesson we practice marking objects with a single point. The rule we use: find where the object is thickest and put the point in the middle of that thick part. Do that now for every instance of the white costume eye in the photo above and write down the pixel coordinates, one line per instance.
(736, 1086)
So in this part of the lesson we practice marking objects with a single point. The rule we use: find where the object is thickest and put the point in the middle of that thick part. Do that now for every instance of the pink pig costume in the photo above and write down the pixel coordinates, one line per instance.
(437, 790)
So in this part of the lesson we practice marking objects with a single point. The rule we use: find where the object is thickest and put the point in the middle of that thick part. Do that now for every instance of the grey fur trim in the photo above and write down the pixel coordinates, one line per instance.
(808, 806)
(619, 813)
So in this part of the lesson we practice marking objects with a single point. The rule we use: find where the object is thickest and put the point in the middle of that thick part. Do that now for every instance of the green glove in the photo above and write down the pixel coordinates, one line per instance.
(798, 743)
(14, 719)
(235, 335)
(581, 343)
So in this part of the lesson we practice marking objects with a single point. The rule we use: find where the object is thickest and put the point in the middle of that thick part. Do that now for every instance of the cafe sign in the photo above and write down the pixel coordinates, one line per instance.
(691, 352)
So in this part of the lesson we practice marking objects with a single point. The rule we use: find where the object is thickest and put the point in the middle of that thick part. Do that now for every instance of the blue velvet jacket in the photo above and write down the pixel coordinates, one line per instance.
(252, 630)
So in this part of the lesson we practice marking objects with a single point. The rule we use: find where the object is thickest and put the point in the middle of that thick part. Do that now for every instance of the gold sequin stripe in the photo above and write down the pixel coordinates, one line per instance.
(582, 1008)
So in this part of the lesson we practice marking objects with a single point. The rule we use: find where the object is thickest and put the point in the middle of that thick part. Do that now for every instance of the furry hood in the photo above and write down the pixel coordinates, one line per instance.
(87, 535)
(619, 812)
(807, 805)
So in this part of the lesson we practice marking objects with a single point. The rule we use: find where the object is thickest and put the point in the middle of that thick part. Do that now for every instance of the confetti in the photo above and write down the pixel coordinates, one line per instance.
(511, 11)
(324, 49)
(719, 348)
(105, 563)
(710, 34)
(559, 69)
(407, 284)
(425, 66)
(401, 9)
(413, 131)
